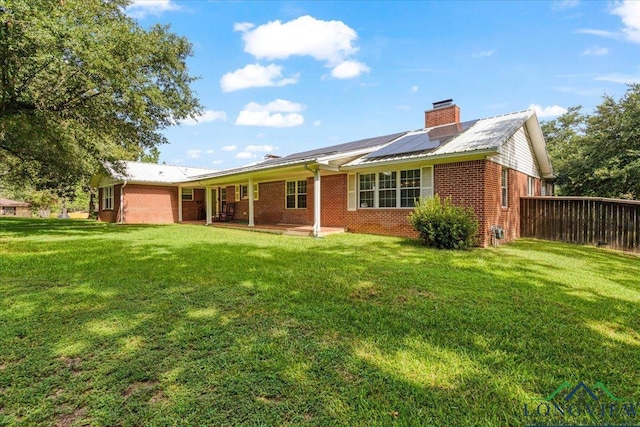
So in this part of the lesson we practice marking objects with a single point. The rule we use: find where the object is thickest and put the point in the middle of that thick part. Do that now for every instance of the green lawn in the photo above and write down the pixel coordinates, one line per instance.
(109, 325)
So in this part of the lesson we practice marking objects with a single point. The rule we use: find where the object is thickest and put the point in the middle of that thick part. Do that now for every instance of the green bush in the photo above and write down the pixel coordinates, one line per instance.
(443, 225)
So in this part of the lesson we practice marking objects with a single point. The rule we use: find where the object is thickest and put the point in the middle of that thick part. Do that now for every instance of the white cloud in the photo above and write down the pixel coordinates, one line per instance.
(414, 89)
(194, 154)
(259, 148)
(579, 91)
(142, 8)
(599, 33)
(210, 151)
(596, 51)
(317, 123)
(207, 116)
(619, 78)
(564, 4)
(255, 75)
(552, 111)
(278, 113)
(245, 155)
(331, 42)
(484, 53)
(216, 162)
(629, 11)
(243, 26)
(230, 148)
(349, 69)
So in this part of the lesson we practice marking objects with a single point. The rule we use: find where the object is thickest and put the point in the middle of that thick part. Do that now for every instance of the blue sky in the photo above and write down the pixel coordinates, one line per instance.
(282, 77)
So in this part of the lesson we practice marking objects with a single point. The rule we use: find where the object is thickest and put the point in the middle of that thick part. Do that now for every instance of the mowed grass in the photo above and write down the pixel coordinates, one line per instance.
(109, 325)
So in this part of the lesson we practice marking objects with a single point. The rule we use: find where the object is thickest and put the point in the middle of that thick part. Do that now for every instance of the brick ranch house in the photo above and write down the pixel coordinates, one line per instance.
(365, 186)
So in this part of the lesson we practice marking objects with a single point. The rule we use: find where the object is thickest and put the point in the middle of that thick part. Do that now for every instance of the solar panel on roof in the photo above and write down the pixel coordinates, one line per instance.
(407, 144)
(423, 141)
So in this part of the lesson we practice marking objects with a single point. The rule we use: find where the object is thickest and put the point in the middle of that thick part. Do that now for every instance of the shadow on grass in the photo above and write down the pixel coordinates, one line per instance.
(207, 326)
(26, 227)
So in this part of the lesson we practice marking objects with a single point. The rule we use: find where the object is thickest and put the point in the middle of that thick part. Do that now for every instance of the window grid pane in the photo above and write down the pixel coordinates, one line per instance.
(387, 198)
(367, 181)
(367, 185)
(291, 187)
(410, 178)
(408, 197)
(302, 201)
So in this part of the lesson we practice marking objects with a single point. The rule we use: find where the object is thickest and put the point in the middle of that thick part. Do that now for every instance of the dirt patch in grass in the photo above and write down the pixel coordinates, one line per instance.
(68, 420)
(270, 400)
(367, 293)
(158, 398)
(139, 386)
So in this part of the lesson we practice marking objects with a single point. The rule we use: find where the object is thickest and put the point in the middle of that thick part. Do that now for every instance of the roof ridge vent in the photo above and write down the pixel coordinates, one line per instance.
(443, 103)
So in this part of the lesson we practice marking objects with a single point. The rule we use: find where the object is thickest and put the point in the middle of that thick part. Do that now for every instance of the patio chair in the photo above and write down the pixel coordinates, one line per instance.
(227, 214)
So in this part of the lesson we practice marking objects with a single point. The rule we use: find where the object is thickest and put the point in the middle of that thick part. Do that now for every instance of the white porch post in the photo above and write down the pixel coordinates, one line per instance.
(207, 198)
(316, 203)
(179, 204)
(250, 190)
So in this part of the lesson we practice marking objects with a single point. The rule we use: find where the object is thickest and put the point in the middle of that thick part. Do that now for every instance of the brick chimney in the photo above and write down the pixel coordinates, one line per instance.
(443, 113)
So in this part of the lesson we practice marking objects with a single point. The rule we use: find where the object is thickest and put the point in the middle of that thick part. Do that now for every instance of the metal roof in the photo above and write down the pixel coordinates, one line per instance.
(151, 172)
(308, 156)
(479, 135)
(12, 203)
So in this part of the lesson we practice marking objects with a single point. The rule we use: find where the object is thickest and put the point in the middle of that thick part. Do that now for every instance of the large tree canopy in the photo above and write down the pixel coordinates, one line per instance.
(598, 154)
(82, 84)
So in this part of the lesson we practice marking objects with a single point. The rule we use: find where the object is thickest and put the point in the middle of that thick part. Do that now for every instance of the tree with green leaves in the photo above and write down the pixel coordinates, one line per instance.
(83, 85)
(598, 154)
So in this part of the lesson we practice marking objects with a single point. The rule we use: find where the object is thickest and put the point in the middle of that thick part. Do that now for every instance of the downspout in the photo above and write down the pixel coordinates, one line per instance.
(124, 184)
(316, 199)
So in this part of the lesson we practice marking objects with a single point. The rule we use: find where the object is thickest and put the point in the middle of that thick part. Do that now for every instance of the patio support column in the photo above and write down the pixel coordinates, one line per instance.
(250, 191)
(207, 199)
(316, 203)
(179, 204)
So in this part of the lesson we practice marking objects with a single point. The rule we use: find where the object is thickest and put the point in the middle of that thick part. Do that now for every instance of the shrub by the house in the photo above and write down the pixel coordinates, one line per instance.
(443, 225)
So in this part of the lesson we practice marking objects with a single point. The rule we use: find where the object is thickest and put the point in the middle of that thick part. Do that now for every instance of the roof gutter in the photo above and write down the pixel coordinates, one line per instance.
(463, 155)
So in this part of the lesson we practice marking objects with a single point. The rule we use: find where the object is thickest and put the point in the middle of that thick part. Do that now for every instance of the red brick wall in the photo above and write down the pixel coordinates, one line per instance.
(143, 204)
(270, 206)
(442, 116)
(109, 215)
(508, 218)
(465, 182)
(150, 204)
(191, 209)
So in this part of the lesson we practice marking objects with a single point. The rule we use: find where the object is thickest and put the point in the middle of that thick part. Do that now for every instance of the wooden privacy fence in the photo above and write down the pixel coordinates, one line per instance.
(584, 220)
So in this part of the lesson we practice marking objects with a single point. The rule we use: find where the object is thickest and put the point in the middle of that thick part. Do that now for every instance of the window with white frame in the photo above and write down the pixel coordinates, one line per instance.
(367, 190)
(409, 188)
(393, 189)
(107, 198)
(504, 185)
(244, 192)
(296, 194)
(387, 189)
(531, 186)
(223, 194)
(187, 194)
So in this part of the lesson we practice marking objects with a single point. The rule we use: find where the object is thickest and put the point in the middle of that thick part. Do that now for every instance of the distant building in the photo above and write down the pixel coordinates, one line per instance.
(14, 208)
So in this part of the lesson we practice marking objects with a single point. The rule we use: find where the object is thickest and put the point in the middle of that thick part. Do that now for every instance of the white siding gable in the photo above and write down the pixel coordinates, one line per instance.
(517, 154)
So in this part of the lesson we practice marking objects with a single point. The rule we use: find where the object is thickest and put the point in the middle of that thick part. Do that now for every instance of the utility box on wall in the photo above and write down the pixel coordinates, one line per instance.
(497, 232)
